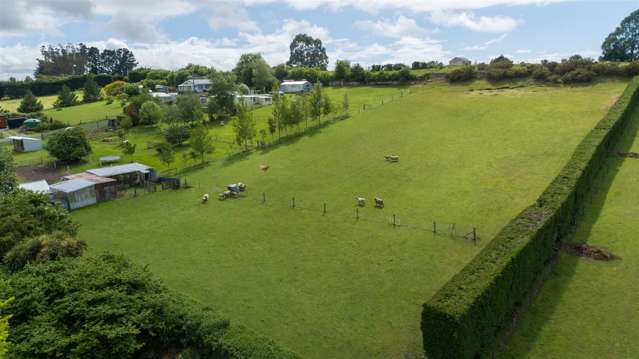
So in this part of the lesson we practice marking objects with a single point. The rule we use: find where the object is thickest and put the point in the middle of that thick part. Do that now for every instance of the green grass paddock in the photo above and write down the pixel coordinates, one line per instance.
(328, 286)
(586, 308)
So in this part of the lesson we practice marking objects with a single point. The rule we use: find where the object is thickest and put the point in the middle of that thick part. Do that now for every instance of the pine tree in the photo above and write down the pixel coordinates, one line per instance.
(30, 103)
(91, 90)
(66, 98)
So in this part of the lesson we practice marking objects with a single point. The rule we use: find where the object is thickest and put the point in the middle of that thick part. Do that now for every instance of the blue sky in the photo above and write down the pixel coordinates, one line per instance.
(173, 33)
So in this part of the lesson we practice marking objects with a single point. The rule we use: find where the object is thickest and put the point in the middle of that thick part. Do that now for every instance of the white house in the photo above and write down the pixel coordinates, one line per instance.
(251, 100)
(295, 86)
(25, 144)
(195, 85)
(165, 97)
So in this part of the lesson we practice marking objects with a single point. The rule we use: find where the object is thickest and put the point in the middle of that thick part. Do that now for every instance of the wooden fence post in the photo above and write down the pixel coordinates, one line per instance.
(324, 208)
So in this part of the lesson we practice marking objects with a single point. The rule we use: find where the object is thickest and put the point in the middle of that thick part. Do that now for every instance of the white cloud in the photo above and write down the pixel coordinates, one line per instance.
(403, 26)
(523, 51)
(375, 6)
(18, 61)
(472, 22)
(227, 14)
(486, 44)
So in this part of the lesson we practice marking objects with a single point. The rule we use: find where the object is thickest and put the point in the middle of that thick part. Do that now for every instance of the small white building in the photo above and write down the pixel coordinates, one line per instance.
(296, 86)
(198, 85)
(41, 186)
(165, 97)
(255, 100)
(25, 144)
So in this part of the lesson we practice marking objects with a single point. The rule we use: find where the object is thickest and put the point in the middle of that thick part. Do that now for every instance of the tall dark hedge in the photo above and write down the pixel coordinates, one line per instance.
(50, 86)
(465, 317)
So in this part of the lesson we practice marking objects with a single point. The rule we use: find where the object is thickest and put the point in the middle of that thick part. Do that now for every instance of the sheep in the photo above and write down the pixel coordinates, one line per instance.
(392, 158)
(379, 203)
(361, 201)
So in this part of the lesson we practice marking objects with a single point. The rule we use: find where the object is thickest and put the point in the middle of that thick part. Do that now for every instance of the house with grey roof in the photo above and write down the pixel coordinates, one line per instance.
(194, 84)
(126, 174)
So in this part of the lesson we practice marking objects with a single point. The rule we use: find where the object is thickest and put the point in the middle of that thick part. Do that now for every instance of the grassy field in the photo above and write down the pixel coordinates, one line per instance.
(588, 309)
(142, 137)
(84, 113)
(329, 286)
(47, 102)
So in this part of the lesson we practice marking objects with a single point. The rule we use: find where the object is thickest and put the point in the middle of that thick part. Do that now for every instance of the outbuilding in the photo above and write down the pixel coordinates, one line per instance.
(260, 100)
(74, 193)
(296, 86)
(4, 121)
(31, 123)
(127, 174)
(25, 144)
(41, 186)
(15, 122)
(105, 188)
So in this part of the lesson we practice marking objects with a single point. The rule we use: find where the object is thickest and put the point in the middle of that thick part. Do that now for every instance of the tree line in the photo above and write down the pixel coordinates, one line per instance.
(70, 59)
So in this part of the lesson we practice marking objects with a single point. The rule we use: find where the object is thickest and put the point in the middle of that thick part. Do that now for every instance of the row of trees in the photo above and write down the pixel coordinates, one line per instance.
(70, 59)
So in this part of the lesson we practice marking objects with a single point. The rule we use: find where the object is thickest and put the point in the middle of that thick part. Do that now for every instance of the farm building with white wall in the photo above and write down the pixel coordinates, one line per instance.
(296, 86)
(25, 144)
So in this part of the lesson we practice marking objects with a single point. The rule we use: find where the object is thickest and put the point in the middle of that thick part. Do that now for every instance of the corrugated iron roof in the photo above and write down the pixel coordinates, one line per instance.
(89, 177)
(120, 169)
(40, 186)
(72, 185)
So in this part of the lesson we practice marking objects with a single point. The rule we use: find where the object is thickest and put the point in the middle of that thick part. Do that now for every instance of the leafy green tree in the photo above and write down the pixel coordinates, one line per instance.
(253, 71)
(244, 126)
(358, 73)
(4, 320)
(128, 149)
(69, 145)
(280, 108)
(623, 43)
(345, 103)
(280, 71)
(30, 103)
(165, 153)
(190, 108)
(8, 180)
(317, 99)
(272, 126)
(327, 106)
(342, 70)
(91, 90)
(151, 113)
(27, 214)
(176, 134)
(307, 52)
(66, 98)
(201, 142)
(45, 248)
(102, 307)
(222, 88)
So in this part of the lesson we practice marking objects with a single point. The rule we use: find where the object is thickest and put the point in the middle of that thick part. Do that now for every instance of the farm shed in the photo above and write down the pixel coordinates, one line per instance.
(128, 174)
(255, 99)
(105, 188)
(165, 97)
(25, 144)
(295, 86)
(4, 121)
(31, 123)
(37, 186)
(75, 193)
(15, 122)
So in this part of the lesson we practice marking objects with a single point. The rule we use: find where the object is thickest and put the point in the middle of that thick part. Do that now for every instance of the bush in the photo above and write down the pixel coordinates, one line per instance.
(462, 74)
(43, 249)
(30, 103)
(27, 214)
(114, 88)
(69, 145)
(579, 75)
(465, 317)
(541, 73)
(177, 135)
(49, 125)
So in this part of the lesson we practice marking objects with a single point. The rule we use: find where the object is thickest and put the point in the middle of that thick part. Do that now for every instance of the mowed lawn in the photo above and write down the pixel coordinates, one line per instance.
(83, 113)
(589, 309)
(328, 286)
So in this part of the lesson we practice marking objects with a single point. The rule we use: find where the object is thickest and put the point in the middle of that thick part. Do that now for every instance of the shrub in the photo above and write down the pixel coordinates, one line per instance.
(464, 73)
(69, 145)
(177, 135)
(49, 125)
(579, 75)
(541, 73)
(467, 315)
(48, 247)
(114, 88)
(30, 103)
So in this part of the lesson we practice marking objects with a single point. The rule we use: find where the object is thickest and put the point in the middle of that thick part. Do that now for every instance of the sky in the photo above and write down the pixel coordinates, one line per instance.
(170, 34)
